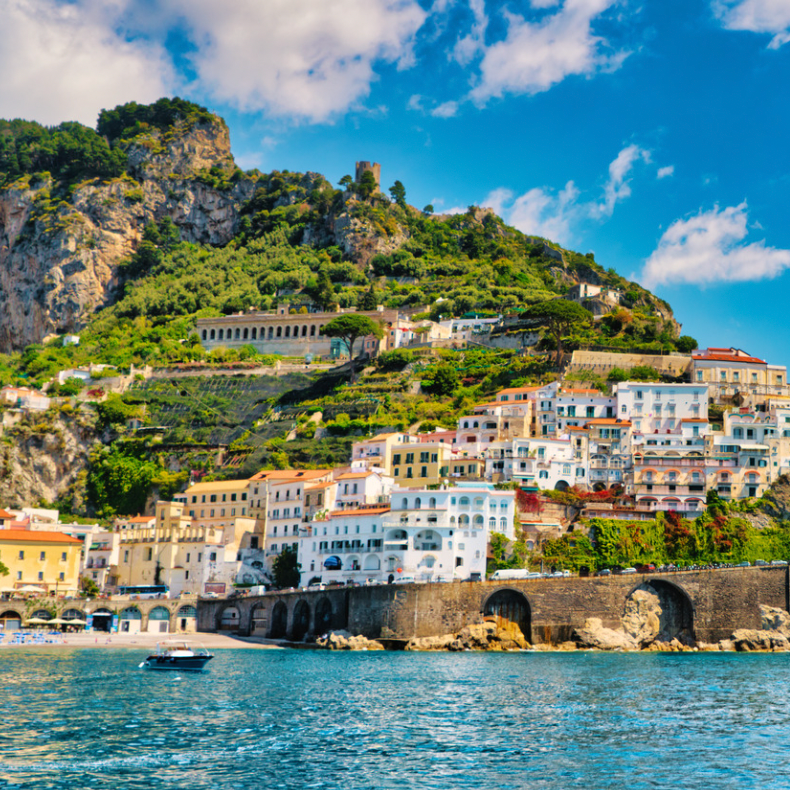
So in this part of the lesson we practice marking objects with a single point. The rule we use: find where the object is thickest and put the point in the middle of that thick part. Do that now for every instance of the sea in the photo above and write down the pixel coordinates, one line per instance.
(306, 719)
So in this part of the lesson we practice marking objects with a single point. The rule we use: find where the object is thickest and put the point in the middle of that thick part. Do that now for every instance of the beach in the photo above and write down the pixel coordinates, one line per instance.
(145, 640)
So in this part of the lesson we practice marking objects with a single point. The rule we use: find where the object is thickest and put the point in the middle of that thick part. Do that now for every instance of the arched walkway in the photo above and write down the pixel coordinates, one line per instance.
(101, 620)
(301, 621)
(511, 610)
(259, 620)
(229, 619)
(186, 618)
(659, 610)
(131, 620)
(323, 616)
(279, 621)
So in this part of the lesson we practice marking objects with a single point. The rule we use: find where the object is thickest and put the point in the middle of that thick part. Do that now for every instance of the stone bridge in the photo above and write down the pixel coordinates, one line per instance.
(134, 615)
(707, 605)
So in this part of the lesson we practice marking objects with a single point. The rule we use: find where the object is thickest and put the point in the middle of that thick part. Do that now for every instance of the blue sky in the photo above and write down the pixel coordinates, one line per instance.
(652, 133)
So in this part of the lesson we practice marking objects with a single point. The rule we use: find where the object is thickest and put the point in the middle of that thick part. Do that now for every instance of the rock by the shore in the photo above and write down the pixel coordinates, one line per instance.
(746, 640)
(594, 634)
(343, 640)
(641, 619)
(775, 620)
(479, 636)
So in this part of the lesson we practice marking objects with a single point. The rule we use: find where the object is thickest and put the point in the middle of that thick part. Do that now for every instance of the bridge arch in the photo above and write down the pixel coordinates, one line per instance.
(511, 610)
(672, 605)
(279, 621)
(301, 621)
(11, 620)
(323, 616)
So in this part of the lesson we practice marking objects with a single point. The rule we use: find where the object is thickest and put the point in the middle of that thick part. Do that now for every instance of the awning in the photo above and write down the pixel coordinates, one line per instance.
(333, 563)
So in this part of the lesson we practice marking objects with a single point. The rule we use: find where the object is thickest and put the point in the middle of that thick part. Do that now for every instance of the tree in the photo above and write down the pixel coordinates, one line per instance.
(3, 570)
(324, 290)
(89, 587)
(367, 185)
(445, 381)
(428, 209)
(369, 300)
(559, 316)
(346, 182)
(286, 570)
(686, 344)
(398, 192)
(349, 327)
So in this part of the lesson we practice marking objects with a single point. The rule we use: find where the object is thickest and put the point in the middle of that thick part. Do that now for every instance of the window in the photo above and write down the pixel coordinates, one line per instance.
(424, 458)
(423, 471)
(21, 555)
(41, 576)
(213, 556)
(43, 555)
(63, 556)
(396, 459)
(61, 577)
(126, 556)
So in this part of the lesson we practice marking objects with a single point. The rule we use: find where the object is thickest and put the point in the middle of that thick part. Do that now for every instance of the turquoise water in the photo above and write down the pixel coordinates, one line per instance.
(303, 719)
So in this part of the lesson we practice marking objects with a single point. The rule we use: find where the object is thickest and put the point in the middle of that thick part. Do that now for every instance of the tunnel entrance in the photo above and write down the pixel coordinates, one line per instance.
(511, 611)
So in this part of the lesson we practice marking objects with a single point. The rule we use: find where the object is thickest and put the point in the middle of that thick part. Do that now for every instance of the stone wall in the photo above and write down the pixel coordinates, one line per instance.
(718, 603)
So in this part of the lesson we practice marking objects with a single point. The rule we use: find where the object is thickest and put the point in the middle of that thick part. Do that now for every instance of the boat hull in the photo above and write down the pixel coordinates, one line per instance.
(179, 663)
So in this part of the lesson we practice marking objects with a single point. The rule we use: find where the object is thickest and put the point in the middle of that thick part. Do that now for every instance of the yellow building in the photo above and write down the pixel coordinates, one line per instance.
(216, 504)
(430, 463)
(50, 560)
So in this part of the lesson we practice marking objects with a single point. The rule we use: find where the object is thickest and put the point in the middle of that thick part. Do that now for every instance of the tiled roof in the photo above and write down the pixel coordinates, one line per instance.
(727, 358)
(368, 511)
(35, 536)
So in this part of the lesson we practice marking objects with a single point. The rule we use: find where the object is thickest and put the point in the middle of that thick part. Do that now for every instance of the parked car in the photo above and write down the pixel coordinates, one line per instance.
(646, 568)
(760, 562)
(625, 571)
(744, 564)
(603, 572)
(778, 562)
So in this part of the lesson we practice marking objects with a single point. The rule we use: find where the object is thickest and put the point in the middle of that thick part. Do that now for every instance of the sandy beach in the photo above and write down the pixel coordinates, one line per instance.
(140, 641)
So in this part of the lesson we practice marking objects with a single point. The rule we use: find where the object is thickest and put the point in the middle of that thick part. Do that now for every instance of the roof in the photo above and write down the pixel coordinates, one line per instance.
(325, 484)
(35, 536)
(608, 421)
(518, 389)
(218, 485)
(379, 437)
(6, 514)
(355, 475)
(581, 391)
(574, 428)
(290, 474)
(368, 511)
(141, 519)
(694, 419)
(721, 357)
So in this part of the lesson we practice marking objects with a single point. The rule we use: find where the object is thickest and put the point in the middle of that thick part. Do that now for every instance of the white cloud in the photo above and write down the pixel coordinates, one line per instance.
(446, 110)
(297, 57)
(67, 61)
(666, 172)
(294, 58)
(557, 215)
(467, 48)
(536, 55)
(709, 248)
(758, 16)
(618, 187)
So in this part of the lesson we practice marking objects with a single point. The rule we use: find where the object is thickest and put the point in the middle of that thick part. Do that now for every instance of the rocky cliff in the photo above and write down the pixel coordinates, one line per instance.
(59, 257)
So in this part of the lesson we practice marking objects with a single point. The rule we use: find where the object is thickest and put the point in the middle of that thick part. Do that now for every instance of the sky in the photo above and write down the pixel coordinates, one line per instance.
(653, 133)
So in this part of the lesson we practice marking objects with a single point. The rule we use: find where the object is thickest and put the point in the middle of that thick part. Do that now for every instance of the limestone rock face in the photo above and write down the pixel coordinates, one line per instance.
(59, 260)
(42, 463)
(642, 617)
(777, 620)
(594, 634)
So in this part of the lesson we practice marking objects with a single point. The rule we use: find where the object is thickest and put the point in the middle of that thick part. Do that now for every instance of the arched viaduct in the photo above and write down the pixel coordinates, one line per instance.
(708, 605)
(133, 615)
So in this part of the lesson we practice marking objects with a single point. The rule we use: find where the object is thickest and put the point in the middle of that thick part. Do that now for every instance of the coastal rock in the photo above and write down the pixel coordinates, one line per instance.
(746, 640)
(594, 635)
(342, 640)
(776, 620)
(642, 617)
(479, 636)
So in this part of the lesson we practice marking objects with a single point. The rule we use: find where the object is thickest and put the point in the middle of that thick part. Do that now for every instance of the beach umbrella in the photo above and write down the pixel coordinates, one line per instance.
(37, 621)
(75, 621)
(31, 588)
(57, 621)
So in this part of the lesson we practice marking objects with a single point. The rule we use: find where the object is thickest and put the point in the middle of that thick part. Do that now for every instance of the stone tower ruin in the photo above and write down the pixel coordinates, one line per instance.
(374, 168)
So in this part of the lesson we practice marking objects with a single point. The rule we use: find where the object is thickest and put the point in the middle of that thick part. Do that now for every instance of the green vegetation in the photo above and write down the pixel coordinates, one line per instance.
(285, 569)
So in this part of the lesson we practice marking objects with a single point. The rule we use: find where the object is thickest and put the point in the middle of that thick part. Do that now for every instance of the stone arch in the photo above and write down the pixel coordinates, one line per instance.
(301, 621)
(323, 616)
(11, 620)
(372, 563)
(101, 619)
(562, 485)
(259, 620)
(511, 611)
(599, 487)
(205, 335)
(213, 334)
(186, 618)
(658, 610)
(228, 618)
(279, 621)
(159, 620)
(131, 620)
(41, 614)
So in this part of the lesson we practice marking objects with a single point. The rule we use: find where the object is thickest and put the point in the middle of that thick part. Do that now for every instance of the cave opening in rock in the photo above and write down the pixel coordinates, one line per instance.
(659, 611)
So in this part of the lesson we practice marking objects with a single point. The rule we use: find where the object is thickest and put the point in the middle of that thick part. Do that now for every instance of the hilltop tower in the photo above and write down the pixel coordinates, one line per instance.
(374, 168)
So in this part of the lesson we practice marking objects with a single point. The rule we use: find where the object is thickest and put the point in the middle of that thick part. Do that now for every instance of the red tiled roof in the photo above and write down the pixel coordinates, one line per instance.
(35, 536)
(370, 511)
(6, 514)
(727, 358)
(607, 421)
